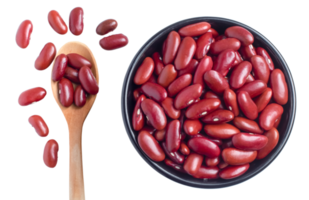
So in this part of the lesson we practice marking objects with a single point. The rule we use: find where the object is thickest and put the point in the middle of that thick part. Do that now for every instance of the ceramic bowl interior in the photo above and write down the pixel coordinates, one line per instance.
(155, 44)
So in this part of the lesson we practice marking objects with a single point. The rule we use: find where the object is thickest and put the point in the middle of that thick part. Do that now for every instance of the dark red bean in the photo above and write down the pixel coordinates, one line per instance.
(273, 138)
(77, 61)
(218, 117)
(168, 106)
(187, 96)
(137, 93)
(279, 87)
(158, 64)
(185, 53)
(202, 108)
(230, 101)
(214, 32)
(167, 75)
(46, 56)
(88, 81)
(221, 45)
(66, 92)
(106, 26)
(203, 45)
(192, 127)
(234, 156)
(269, 115)
(39, 125)
(262, 100)
(260, 68)
(154, 91)
(247, 125)
(207, 173)
(50, 155)
(184, 149)
(221, 131)
(262, 52)
(175, 166)
(240, 74)
(215, 140)
(249, 142)
(144, 71)
(59, 67)
(138, 119)
(247, 105)
(190, 69)
(254, 88)
(233, 171)
(180, 83)
(224, 62)
(57, 23)
(240, 33)
(175, 156)
(211, 95)
(222, 165)
(76, 23)
(23, 34)
(247, 52)
(32, 95)
(204, 66)
(204, 146)
(238, 59)
(160, 135)
(114, 42)
(80, 97)
(71, 74)
(212, 162)
(154, 113)
(170, 48)
(215, 81)
(193, 163)
(150, 146)
(194, 29)
(172, 136)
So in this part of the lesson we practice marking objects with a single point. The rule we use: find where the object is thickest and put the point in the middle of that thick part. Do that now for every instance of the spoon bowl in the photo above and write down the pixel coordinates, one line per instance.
(75, 117)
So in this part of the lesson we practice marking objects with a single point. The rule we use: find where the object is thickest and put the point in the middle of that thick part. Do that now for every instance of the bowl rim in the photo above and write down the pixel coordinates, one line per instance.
(126, 116)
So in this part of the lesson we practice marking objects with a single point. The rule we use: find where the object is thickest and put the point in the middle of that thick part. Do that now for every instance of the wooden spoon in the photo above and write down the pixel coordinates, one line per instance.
(75, 117)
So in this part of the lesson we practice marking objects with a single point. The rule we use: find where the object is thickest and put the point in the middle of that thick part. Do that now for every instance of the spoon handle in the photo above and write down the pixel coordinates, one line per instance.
(76, 164)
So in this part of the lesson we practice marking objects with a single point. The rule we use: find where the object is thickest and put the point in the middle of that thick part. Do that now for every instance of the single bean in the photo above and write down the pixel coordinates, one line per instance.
(247, 52)
(168, 106)
(23, 34)
(194, 29)
(180, 83)
(76, 23)
(260, 68)
(158, 64)
(240, 33)
(269, 115)
(154, 113)
(46, 56)
(154, 91)
(215, 81)
(77, 61)
(190, 69)
(175, 166)
(185, 53)
(60, 65)
(175, 156)
(218, 117)
(66, 92)
(50, 155)
(138, 119)
(160, 135)
(263, 100)
(39, 125)
(71, 74)
(137, 93)
(184, 149)
(203, 45)
(32, 95)
(80, 97)
(204, 65)
(192, 127)
(249, 142)
(247, 125)
(106, 26)
(221, 45)
(234, 156)
(212, 162)
(57, 23)
(213, 32)
(233, 171)
(88, 80)
(279, 87)
(187, 96)
(114, 42)
(211, 95)
(144, 71)
(247, 105)
(230, 101)
(167, 75)
(240, 74)
(224, 62)
(170, 48)
(222, 165)
(207, 173)
(172, 136)
(204, 146)
(221, 131)
(254, 88)
(150, 146)
(193, 163)
(262, 52)
(202, 108)
(273, 138)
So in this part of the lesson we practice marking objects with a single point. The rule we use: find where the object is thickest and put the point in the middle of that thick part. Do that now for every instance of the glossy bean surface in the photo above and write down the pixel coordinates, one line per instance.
(66, 92)
(224, 62)
(249, 142)
(39, 125)
(60, 65)
(273, 138)
(279, 87)
(254, 88)
(106, 26)
(76, 21)
(212, 162)
(221, 131)
(203, 45)
(260, 68)
(230, 101)
(240, 33)
(240, 74)
(184, 149)
(193, 163)
(167, 75)
(215, 81)
(80, 97)
(88, 81)
(32, 95)
(233, 171)
(262, 52)
(207, 173)
(263, 100)
(155, 114)
(144, 71)
(192, 127)
(158, 64)
(247, 52)
(114, 42)
(187, 96)
(154, 91)
(172, 136)
(221, 45)
(171, 47)
(45, 57)
(150, 146)
(185, 53)
(57, 23)
(202, 108)
(77, 61)
(247, 105)
(24, 33)
(175, 156)
(218, 117)
(234, 156)
(194, 29)
(168, 106)
(247, 125)
(50, 155)
(204, 146)
(180, 83)
(138, 119)
(71, 74)
(269, 115)
(204, 65)
(160, 135)
(213, 32)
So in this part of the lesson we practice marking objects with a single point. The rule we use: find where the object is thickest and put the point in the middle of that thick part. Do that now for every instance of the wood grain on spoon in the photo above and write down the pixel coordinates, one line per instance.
(75, 117)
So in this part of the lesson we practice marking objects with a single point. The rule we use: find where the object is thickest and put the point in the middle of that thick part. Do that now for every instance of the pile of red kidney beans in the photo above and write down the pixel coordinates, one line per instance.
(208, 105)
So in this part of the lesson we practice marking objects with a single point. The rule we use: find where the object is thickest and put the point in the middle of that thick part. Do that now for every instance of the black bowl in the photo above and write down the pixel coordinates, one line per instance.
(154, 44)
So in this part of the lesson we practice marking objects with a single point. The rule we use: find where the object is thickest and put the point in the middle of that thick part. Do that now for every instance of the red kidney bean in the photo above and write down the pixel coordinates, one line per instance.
(77, 61)
(80, 97)
(204, 66)
(144, 71)
(233, 171)
(215, 81)
(247, 52)
(46, 56)
(234, 156)
(240, 33)
(184, 149)
(202, 108)
(260, 68)
(175, 156)
(32, 95)
(114, 42)
(158, 64)
(212, 162)
(154, 113)
(190, 69)
(149, 129)
(185, 53)
(180, 83)
(222, 165)
(250, 78)
(277, 122)
(247, 125)
(238, 58)
(177, 167)
(249, 142)
(224, 62)
(137, 93)
(106, 26)
(230, 101)
(221, 131)
(23, 34)
(39, 125)
(247, 105)
(59, 67)
(262, 52)
(262, 100)
(240, 74)
(193, 163)
(192, 127)
(172, 43)
(211, 95)
(71, 74)
(269, 116)
(207, 173)
(194, 29)
(279, 87)
(150, 146)
(50, 155)
(204, 146)
(187, 96)
(66, 92)
(221, 45)
(57, 23)
(138, 119)
(203, 45)
(76, 24)
(168, 75)
(254, 88)
(88, 81)
(273, 138)
(218, 117)
(154, 91)
(172, 136)
(214, 32)
(168, 106)
(160, 135)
